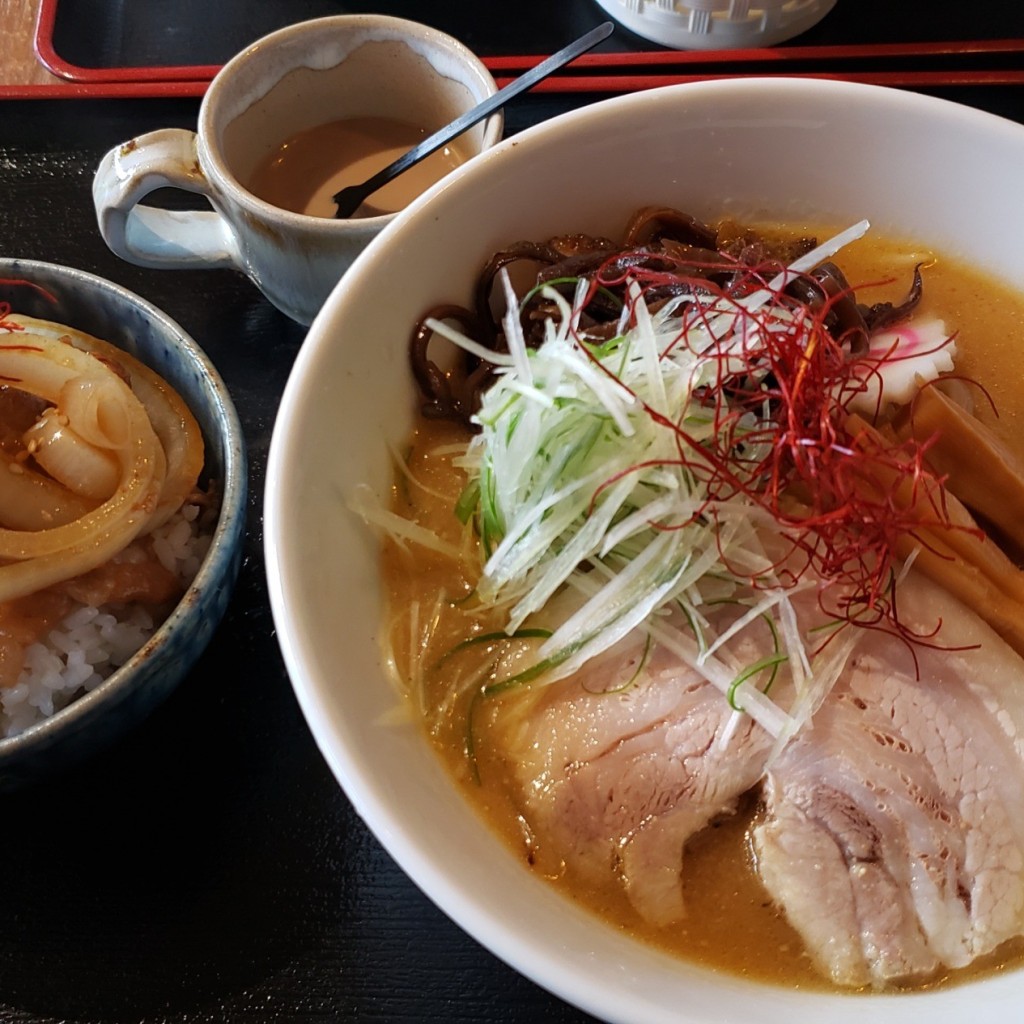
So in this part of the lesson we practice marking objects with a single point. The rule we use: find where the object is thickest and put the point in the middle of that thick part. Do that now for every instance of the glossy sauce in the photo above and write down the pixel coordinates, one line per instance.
(731, 924)
(304, 172)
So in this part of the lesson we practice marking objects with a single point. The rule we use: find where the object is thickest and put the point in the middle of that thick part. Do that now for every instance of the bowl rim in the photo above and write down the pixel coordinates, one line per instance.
(215, 562)
(596, 994)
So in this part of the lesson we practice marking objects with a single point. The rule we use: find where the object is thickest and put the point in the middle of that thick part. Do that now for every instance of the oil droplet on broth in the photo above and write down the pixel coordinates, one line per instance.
(304, 172)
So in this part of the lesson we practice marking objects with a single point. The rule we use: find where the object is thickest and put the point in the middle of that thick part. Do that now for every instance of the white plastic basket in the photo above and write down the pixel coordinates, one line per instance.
(717, 24)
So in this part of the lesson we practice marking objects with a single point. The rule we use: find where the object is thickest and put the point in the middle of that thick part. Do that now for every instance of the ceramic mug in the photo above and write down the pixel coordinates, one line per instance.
(292, 80)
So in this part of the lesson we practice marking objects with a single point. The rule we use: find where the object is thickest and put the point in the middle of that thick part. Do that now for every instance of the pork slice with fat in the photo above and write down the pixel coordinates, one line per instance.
(893, 837)
(621, 780)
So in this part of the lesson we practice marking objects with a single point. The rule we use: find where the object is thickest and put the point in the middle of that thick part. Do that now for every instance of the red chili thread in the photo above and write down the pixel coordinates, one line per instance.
(16, 348)
(5, 307)
(848, 523)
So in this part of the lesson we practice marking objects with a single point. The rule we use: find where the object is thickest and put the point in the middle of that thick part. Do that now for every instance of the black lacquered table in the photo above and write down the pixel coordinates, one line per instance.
(208, 868)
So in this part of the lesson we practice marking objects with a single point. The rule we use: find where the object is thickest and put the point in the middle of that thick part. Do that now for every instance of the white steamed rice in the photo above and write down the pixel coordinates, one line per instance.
(92, 642)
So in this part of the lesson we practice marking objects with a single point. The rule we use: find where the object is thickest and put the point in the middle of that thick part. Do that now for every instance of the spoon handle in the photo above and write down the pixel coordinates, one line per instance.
(348, 199)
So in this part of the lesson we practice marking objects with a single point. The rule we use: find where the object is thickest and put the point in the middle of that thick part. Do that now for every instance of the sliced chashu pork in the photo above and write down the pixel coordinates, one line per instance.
(894, 836)
(621, 780)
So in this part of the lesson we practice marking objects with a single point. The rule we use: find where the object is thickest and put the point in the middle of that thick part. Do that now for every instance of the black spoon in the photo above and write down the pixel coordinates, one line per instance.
(349, 198)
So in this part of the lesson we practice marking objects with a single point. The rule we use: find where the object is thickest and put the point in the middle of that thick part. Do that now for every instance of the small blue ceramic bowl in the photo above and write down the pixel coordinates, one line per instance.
(107, 311)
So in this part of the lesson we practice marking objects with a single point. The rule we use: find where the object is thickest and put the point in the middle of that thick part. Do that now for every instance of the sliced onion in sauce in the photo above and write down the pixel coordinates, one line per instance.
(142, 433)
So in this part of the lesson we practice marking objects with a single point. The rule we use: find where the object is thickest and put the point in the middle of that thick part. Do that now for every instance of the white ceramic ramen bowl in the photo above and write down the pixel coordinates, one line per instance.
(915, 166)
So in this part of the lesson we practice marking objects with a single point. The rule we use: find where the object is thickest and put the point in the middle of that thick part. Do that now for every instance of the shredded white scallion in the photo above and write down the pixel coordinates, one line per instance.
(367, 506)
(456, 337)
(592, 465)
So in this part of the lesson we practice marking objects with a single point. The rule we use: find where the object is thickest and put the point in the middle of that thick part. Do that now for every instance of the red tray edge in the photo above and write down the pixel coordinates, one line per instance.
(48, 56)
(101, 90)
(193, 80)
(598, 84)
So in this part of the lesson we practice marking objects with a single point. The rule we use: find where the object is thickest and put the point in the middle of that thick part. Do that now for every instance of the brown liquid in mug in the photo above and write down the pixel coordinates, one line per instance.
(304, 172)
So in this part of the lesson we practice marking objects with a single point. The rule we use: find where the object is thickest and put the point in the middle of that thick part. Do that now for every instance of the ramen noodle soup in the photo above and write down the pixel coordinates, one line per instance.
(702, 576)
(103, 522)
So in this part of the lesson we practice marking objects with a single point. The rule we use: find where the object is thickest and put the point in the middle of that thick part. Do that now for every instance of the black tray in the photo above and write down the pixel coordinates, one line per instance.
(208, 868)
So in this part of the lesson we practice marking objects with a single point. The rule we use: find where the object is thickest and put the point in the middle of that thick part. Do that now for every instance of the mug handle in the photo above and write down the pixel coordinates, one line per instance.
(146, 235)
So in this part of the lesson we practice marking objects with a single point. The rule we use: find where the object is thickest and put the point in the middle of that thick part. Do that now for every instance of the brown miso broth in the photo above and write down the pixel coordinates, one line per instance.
(306, 170)
(731, 924)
